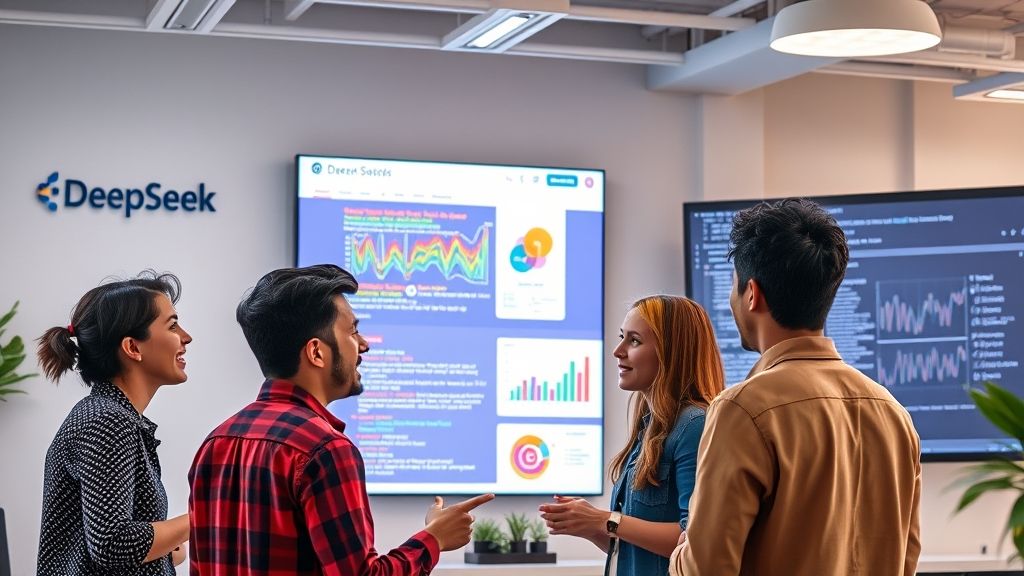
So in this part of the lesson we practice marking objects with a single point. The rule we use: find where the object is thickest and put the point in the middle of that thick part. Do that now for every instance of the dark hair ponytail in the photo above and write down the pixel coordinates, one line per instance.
(103, 317)
(57, 352)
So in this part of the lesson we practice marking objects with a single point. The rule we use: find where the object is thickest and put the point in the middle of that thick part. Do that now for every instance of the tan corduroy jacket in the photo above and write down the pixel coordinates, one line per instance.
(807, 468)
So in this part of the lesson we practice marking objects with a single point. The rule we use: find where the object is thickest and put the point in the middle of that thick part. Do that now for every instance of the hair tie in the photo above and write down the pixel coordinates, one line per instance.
(71, 329)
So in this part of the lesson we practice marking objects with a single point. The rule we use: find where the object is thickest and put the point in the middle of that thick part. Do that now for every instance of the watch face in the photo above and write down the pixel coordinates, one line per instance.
(612, 525)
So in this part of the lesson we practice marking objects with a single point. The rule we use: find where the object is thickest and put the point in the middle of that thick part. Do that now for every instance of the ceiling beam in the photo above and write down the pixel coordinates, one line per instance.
(462, 6)
(328, 36)
(597, 54)
(949, 60)
(897, 72)
(214, 16)
(383, 39)
(649, 18)
(732, 9)
(160, 14)
(295, 8)
(733, 64)
(585, 13)
(34, 18)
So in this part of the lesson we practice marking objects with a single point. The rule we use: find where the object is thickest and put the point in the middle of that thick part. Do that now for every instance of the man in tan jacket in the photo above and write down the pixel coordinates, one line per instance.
(808, 467)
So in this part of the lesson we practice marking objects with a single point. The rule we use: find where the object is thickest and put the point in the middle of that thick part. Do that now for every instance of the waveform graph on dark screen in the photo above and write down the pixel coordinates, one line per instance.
(922, 309)
(922, 332)
(923, 364)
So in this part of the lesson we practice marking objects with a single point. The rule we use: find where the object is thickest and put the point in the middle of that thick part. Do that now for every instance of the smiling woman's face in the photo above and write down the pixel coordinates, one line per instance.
(637, 353)
(163, 353)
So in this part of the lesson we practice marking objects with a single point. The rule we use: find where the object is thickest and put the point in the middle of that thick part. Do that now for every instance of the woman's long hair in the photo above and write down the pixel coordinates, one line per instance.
(689, 374)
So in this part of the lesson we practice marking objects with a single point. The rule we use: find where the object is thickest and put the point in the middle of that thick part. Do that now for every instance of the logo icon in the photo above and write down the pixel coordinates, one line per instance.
(530, 250)
(46, 192)
(530, 457)
(317, 167)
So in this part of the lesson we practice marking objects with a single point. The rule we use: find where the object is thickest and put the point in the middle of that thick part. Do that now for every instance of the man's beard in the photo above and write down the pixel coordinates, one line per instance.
(338, 374)
(357, 384)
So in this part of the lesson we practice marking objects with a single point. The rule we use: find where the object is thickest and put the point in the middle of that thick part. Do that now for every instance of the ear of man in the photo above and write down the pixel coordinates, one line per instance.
(754, 297)
(315, 352)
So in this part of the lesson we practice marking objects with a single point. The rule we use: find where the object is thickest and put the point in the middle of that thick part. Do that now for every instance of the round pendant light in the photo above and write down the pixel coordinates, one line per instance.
(855, 28)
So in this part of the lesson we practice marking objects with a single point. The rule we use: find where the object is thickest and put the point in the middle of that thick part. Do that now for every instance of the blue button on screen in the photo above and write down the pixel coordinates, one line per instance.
(562, 180)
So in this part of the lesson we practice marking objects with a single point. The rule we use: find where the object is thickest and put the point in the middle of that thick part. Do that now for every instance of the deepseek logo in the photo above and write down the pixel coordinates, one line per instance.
(76, 194)
(46, 192)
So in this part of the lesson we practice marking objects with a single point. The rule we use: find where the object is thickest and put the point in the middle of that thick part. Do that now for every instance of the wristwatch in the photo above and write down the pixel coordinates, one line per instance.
(613, 522)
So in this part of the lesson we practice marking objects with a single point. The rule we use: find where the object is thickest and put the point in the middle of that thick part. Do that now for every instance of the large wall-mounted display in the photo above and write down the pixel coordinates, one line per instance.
(931, 305)
(480, 293)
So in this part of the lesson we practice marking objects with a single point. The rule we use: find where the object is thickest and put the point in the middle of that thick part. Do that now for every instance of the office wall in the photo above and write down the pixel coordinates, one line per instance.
(119, 109)
(838, 135)
(835, 135)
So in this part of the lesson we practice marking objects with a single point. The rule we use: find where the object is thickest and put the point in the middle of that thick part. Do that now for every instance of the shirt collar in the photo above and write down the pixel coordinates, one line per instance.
(801, 348)
(111, 391)
(288, 392)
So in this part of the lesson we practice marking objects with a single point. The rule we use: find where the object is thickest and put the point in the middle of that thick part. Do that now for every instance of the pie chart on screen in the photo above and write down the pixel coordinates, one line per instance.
(530, 457)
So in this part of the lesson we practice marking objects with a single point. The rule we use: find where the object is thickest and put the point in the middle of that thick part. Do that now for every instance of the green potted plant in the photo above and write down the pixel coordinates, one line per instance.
(487, 536)
(11, 356)
(1006, 411)
(517, 526)
(539, 537)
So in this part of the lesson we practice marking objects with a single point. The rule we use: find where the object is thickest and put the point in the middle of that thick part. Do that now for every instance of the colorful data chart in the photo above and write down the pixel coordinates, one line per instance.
(530, 457)
(530, 250)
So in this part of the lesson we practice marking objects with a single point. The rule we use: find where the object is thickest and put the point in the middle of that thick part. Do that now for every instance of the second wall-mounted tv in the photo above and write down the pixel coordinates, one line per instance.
(932, 303)
(480, 293)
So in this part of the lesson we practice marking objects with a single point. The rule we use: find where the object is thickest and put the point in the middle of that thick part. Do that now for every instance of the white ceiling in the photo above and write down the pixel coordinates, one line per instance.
(710, 46)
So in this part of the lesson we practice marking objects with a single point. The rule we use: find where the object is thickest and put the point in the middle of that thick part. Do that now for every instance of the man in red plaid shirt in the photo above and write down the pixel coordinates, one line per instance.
(278, 489)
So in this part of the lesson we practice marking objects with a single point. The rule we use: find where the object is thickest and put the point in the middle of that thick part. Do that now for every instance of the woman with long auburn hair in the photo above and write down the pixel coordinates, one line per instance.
(667, 356)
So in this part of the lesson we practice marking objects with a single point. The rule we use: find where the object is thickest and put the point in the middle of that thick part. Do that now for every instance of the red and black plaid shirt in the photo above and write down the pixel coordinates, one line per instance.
(278, 489)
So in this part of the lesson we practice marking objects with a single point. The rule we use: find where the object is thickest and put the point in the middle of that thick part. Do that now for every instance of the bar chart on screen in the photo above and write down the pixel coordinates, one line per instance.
(551, 378)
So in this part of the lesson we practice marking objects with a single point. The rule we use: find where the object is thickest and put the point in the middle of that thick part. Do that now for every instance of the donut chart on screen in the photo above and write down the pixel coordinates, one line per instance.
(530, 457)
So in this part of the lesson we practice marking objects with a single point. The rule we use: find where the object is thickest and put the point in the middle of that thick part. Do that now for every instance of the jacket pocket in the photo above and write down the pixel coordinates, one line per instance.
(657, 495)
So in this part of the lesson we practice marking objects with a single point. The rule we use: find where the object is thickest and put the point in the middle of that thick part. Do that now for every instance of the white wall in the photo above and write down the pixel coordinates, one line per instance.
(835, 135)
(964, 143)
(127, 108)
(838, 135)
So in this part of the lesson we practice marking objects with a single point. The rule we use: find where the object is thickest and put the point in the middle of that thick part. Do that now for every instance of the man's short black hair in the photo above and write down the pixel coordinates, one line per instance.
(287, 308)
(797, 253)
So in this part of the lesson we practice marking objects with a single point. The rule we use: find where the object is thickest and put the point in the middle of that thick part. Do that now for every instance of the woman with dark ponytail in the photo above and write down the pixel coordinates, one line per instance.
(104, 505)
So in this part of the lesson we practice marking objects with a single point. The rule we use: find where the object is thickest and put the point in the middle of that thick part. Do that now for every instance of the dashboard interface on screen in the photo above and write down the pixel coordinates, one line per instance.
(931, 304)
(480, 293)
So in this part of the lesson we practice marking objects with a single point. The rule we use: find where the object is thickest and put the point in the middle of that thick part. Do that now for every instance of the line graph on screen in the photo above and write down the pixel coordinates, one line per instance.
(404, 255)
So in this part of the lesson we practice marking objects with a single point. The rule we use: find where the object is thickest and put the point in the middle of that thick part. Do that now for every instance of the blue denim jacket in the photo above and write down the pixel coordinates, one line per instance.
(667, 502)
